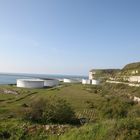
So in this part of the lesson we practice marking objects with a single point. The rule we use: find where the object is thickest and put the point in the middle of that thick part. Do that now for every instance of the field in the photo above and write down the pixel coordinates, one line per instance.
(99, 105)
(74, 94)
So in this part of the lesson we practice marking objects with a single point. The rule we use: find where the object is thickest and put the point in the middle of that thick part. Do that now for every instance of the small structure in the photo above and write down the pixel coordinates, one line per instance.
(86, 81)
(95, 82)
(92, 77)
(30, 83)
(65, 80)
(92, 82)
(92, 74)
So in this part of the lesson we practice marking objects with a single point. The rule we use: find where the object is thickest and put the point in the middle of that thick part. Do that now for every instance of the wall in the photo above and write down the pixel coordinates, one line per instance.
(95, 82)
(85, 81)
(51, 83)
(70, 81)
(30, 84)
(91, 75)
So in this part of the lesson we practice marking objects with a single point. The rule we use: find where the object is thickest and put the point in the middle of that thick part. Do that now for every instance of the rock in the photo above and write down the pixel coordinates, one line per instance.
(47, 127)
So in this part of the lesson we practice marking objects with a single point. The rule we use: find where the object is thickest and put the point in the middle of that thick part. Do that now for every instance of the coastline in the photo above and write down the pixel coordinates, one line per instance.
(10, 78)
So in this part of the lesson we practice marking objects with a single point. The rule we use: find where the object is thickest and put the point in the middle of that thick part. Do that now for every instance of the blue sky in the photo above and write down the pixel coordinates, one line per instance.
(68, 36)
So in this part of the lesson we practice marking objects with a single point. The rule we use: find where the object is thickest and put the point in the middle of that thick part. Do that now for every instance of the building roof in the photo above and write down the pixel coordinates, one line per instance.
(31, 80)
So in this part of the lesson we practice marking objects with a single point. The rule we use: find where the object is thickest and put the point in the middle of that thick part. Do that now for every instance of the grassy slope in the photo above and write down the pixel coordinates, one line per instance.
(127, 70)
(78, 96)
(132, 66)
(74, 94)
(106, 130)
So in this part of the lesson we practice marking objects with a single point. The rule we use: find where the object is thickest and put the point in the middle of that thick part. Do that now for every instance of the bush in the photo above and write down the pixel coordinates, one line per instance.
(35, 110)
(122, 129)
(127, 129)
(134, 112)
(115, 108)
(11, 130)
(53, 110)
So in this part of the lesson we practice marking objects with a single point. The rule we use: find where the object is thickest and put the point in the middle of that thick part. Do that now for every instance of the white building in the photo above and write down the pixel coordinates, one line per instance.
(92, 82)
(92, 79)
(95, 82)
(51, 82)
(37, 83)
(92, 74)
(66, 80)
(30, 83)
(86, 81)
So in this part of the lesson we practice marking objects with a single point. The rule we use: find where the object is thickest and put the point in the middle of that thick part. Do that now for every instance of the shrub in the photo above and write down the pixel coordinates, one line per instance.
(11, 130)
(122, 129)
(115, 108)
(35, 110)
(53, 110)
(134, 112)
(127, 129)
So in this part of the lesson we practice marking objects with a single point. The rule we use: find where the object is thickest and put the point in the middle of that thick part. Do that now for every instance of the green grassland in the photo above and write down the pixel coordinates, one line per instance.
(77, 95)
(110, 113)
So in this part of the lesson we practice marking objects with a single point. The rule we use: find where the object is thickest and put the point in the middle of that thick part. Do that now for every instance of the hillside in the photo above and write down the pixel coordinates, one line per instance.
(131, 69)
(109, 113)
(132, 66)
(104, 72)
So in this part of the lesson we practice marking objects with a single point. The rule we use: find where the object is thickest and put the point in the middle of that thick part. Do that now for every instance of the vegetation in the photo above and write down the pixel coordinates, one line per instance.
(106, 112)
(132, 66)
(130, 69)
(124, 129)
(51, 110)
(105, 73)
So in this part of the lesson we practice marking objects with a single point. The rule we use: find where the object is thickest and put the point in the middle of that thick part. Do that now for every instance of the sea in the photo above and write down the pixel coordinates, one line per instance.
(10, 78)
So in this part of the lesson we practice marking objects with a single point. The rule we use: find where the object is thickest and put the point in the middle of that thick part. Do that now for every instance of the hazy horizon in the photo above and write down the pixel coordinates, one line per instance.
(68, 37)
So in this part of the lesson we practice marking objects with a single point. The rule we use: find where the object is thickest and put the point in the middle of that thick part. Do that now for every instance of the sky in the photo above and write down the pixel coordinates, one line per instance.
(68, 36)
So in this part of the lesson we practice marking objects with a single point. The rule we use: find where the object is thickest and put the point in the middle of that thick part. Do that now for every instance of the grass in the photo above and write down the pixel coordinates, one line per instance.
(77, 95)
(123, 129)
(87, 101)
(74, 94)
(105, 130)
